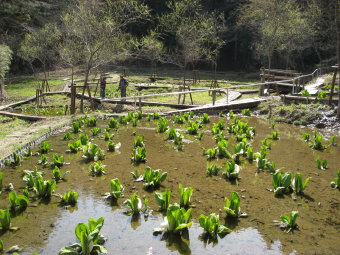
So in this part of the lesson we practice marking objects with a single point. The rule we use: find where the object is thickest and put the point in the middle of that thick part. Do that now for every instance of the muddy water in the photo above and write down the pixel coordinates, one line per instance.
(46, 227)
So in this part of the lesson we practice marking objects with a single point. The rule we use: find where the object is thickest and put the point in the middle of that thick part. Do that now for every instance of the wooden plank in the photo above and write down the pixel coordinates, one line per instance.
(239, 104)
(22, 116)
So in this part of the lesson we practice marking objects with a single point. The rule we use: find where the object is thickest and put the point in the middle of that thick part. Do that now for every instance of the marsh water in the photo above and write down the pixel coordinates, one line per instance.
(45, 226)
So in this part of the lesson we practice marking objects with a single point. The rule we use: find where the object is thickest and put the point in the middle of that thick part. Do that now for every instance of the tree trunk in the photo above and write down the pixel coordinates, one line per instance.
(337, 23)
(2, 90)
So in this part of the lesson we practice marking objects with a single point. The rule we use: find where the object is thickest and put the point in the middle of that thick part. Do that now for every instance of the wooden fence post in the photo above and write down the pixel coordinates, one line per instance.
(333, 84)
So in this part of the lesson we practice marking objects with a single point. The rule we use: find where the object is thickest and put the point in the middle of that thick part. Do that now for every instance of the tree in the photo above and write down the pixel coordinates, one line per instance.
(151, 48)
(41, 45)
(97, 30)
(195, 31)
(5, 61)
(277, 26)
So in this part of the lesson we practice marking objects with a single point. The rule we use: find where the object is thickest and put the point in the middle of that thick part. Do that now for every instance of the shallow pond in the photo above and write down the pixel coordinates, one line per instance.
(45, 226)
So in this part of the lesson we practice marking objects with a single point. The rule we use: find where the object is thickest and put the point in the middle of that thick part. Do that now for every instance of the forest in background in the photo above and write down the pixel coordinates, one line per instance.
(221, 34)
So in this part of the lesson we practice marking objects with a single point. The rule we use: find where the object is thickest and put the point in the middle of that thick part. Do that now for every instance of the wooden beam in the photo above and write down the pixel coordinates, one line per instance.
(22, 116)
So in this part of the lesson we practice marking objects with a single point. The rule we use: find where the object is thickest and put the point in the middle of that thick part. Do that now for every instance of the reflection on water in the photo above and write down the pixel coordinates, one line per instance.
(134, 235)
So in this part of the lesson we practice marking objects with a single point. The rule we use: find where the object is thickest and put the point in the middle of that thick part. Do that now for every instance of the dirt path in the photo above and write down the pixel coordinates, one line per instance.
(28, 133)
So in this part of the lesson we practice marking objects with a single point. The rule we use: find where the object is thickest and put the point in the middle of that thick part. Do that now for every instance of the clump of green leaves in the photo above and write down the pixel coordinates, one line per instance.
(74, 147)
(116, 189)
(162, 125)
(289, 222)
(138, 155)
(67, 136)
(155, 116)
(113, 123)
(44, 147)
(17, 201)
(14, 161)
(176, 220)
(136, 205)
(305, 137)
(281, 183)
(93, 152)
(30, 177)
(43, 161)
(111, 146)
(122, 120)
(91, 242)
(95, 131)
(246, 112)
(305, 93)
(317, 145)
(57, 160)
(335, 183)
(298, 184)
(250, 153)
(97, 169)
(212, 227)
(185, 195)
(178, 119)
(108, 136)
(44, 188)
(58, 175)
(5, 220)
(193, 128)
(222, 148)
(261, 160)
(84, 139)
(232, 206)
(211, 153)
(69, 198)
(200, 136)
(91, 122)
(27, 153)
(205, 118)
(75, 128)
(213, 170)
(332, 141)
(321, 164)
(232, 170)
(138, 141)
(163, 199)
(274, 135)
(152, 178)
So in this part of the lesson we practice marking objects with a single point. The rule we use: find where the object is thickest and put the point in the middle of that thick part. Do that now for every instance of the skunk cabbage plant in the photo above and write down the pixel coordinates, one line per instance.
(211, 226)
(113, 123)
(97, 169)
(44, 188)
(162, 125)
(289, 222)
(232, 206)
(176, 220)
(185, 195)
(136, 205)
(93, 152)
(44, 147)
(17, 201)
(232, 170)
(298, 184)
(69, 198)
(281, 182)
(213, 170)
(336, 181)
(163, 199)
(91, 242)
(116, 189)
